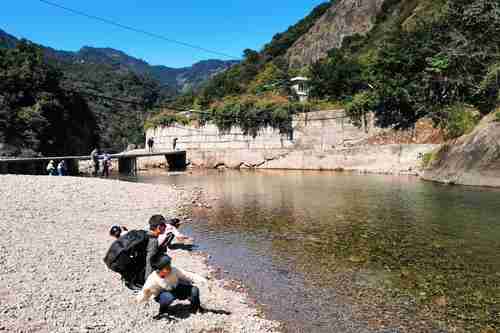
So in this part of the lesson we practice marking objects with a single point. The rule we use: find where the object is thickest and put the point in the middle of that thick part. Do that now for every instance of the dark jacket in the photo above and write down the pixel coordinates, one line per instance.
(155, 251)
(152, 252)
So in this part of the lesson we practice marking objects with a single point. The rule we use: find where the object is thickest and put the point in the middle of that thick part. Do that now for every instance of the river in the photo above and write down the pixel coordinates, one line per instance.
(337, 252)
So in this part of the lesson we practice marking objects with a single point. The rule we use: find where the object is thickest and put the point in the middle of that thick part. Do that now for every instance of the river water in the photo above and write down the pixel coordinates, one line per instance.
(337, 252)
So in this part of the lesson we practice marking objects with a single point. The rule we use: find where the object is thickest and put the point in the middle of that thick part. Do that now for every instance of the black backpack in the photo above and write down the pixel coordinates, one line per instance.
(127, 256)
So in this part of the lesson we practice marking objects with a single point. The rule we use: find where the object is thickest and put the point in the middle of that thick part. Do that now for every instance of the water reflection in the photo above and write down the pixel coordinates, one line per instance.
(291, 235)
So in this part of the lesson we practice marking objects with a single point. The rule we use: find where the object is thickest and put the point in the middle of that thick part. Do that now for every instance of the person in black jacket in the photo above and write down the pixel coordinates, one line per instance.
(155, 250)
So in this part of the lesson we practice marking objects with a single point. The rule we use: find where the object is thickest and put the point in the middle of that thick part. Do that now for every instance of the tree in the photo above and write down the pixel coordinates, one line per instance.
(36, 115)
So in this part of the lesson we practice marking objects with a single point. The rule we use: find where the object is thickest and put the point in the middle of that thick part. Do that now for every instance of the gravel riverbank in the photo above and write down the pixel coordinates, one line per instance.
(52, 277)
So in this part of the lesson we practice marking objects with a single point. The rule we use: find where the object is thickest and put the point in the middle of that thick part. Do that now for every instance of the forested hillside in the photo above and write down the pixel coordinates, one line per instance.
(36, 114)
(414, 58)
(119, 90)
(253, 93)
(117, 117)
(437, 59)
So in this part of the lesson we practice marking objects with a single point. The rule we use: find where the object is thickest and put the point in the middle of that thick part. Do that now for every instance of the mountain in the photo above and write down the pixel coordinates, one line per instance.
(178, 79)
(191, 77)
(343, 19)
(7, 40)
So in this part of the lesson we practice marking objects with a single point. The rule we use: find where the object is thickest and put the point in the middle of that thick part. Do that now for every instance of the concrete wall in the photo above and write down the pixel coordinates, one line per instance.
(324, 140)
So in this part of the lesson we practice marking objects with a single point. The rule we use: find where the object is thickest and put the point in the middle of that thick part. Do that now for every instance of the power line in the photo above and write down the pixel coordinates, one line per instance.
(136, 103)
(144, 32)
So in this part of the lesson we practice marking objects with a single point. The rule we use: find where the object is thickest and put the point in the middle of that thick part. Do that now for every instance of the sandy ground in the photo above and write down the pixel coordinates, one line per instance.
(52, 277)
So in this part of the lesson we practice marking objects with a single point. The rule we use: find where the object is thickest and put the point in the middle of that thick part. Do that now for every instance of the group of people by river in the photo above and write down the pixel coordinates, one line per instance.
(98, 159)
(59, 170)
(152, 275)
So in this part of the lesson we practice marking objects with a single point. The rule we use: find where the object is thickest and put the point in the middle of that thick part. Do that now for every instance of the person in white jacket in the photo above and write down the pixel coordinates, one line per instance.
(167, 283)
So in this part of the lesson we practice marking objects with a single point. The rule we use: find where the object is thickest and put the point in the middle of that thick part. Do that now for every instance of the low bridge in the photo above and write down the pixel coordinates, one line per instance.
(127, 162)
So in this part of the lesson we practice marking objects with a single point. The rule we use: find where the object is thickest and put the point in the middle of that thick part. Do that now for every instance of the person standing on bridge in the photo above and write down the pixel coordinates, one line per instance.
(151, 143)
(94, 156)
(106, 164)
(51, 168)
(61, 168)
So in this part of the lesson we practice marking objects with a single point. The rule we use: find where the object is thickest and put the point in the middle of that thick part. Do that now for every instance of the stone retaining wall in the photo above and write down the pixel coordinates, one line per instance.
(323, 140)
(315, 130)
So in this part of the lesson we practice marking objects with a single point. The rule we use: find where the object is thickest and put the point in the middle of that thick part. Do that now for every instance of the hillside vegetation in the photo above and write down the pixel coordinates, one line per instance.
(131, 89)
(36, 114)
(253, 93)
(420, 58)
(423, 58)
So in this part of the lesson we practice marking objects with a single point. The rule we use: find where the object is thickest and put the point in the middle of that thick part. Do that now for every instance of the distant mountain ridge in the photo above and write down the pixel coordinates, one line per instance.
(7, 40)
(178, 79)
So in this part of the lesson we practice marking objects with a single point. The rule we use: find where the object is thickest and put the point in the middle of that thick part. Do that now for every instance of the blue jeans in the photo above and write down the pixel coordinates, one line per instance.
(182, 292)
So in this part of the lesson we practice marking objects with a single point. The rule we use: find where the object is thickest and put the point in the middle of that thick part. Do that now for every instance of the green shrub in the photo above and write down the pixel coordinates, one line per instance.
(487, 94)
(497, 116)
(427, 159)
(361, 104)
(460, 120)
(166, 119)
(252, 113)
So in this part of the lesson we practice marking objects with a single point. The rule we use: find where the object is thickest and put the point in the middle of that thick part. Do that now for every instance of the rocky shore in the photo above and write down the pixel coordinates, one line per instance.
(53, 279)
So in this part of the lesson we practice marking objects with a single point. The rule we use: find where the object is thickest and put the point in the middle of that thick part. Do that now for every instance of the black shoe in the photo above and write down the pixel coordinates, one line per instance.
(163, 316)
(196, 308)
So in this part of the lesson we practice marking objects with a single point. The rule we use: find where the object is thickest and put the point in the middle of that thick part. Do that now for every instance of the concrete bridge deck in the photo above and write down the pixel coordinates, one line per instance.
(127, 162)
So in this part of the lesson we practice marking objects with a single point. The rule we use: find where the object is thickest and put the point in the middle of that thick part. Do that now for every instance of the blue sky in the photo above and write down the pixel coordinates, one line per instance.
(228, 26)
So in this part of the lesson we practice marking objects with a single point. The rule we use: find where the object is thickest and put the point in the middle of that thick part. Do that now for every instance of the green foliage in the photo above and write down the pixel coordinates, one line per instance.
(335, 77)
(427, 159)
(120, 123)
(281, 42)
(439, 63)
(458, 120)
(263, 71)
(361, 104)
(36, 114)
(230, 82)
(251, 113)
(271, 78)
(487, 94)
(165, 119)
(497, 116)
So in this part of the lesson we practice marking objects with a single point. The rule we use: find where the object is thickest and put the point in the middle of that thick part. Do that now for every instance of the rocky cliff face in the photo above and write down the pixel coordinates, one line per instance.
(473, 159)
(343, 19)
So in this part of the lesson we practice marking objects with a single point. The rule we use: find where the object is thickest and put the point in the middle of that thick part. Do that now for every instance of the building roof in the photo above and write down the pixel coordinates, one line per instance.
(299, 78)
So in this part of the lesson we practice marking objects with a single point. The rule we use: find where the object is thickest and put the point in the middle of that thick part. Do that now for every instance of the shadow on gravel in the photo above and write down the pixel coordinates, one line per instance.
(183, 311)
(182, 247)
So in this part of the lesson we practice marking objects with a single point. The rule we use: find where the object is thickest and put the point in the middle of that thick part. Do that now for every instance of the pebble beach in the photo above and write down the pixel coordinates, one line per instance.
(54, 235)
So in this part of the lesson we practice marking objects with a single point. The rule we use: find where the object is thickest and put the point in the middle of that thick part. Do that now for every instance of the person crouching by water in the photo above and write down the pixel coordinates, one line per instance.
(156, 247)
(167, 283)
(180, 239)
(117, 231)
